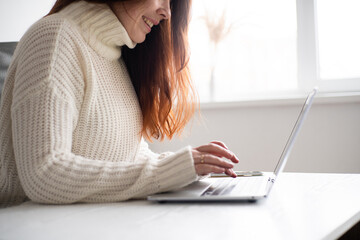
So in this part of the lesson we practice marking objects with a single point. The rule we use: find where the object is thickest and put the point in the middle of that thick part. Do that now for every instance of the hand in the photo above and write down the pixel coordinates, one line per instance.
(208, 159)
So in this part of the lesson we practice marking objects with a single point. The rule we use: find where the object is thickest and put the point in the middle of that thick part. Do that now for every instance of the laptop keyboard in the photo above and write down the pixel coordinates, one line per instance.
(226, 185)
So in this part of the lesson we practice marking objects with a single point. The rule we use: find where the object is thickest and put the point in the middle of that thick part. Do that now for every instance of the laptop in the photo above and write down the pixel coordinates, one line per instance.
(248, 186)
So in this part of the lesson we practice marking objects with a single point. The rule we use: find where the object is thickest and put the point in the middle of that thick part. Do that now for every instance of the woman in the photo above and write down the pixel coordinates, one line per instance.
(80, 97)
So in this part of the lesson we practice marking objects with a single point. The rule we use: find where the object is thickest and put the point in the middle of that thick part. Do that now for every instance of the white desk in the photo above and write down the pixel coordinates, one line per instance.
(301, 206)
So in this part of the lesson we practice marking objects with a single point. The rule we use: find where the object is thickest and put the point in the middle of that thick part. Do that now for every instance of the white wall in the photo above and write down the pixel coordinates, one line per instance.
(16, 16)
(257, 132)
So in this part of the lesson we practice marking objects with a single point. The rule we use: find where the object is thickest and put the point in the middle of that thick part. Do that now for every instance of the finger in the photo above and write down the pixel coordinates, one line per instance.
(220, 144)
(213, 160)
(230, 172)
(218, 151)
(203, 169)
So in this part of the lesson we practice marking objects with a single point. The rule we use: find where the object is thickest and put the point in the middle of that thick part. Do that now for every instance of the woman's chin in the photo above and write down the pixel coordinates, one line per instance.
(139, 39)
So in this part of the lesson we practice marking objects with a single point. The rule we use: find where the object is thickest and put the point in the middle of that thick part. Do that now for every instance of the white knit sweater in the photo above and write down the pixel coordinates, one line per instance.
(70, 120)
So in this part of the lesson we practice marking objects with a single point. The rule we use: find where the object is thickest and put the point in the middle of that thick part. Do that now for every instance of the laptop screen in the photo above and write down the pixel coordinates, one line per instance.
(290, 142)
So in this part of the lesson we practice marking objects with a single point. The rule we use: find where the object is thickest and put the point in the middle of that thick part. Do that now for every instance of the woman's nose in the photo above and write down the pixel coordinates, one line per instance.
(164, 11)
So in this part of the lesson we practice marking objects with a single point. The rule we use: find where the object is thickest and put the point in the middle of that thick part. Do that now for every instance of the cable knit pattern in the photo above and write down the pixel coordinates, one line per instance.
(70, 120)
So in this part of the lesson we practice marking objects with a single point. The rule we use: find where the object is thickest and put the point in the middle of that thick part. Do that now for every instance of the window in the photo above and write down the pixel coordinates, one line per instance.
(339, 39)
(246, 49)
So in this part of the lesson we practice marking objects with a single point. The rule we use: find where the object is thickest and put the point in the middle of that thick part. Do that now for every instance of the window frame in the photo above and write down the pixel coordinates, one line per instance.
(308, 54)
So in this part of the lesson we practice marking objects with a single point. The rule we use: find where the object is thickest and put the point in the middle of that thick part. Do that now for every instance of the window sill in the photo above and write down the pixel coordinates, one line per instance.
(290, 100)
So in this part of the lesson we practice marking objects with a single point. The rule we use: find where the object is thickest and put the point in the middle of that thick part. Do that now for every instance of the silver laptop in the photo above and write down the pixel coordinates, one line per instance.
(248, 186)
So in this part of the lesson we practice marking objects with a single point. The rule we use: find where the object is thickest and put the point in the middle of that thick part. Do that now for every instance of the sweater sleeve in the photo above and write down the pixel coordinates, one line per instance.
(44, 115)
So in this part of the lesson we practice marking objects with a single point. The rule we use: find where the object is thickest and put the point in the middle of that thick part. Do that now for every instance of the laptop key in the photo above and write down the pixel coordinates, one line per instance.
(220, 187)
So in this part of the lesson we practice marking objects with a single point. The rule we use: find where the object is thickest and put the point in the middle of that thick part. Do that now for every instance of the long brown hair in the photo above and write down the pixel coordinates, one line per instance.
(159, 71)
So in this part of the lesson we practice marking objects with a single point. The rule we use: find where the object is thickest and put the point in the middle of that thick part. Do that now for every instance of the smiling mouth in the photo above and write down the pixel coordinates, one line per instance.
(148, 22)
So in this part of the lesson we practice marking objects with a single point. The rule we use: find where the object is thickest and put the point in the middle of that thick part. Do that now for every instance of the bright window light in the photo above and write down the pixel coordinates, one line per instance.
(338, 38)
(243, 48)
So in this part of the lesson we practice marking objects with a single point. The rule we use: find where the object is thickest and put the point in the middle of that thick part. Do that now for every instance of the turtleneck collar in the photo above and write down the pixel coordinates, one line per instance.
(100, 28)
